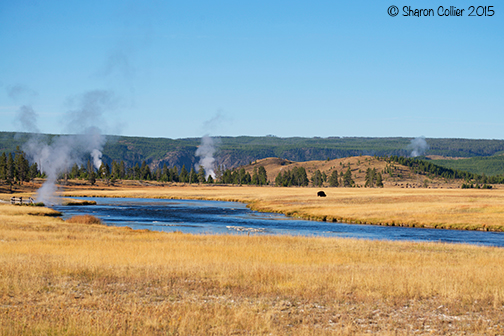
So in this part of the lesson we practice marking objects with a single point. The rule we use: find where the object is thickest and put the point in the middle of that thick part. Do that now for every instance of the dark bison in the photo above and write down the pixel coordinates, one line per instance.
(321, 194)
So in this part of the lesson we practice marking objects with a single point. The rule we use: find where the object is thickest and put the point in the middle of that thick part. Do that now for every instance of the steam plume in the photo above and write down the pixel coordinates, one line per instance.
(205, 152)
(57, 156)
(27, 119)
(418, 146)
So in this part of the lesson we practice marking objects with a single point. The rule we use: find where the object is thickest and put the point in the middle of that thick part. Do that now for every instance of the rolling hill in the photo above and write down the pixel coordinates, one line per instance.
(237, 151)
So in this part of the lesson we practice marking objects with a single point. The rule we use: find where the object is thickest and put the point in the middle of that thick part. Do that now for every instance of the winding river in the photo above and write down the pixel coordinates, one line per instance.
(215, 217)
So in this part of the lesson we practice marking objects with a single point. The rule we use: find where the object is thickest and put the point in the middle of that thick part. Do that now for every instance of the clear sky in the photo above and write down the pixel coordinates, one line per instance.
(289, 68)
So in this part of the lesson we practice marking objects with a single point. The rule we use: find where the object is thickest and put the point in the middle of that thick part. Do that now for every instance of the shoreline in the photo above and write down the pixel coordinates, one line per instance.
(288, 201)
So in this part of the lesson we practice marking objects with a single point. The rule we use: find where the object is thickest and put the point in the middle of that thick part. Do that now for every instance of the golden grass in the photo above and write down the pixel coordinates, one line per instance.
(84, 219)
(467, 209)
(62, 278)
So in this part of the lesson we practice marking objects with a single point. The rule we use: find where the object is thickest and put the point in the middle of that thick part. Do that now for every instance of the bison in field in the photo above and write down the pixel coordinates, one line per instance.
(321, 194)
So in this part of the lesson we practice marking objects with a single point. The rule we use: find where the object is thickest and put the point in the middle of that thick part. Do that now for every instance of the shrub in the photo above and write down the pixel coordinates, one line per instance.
(84, 219)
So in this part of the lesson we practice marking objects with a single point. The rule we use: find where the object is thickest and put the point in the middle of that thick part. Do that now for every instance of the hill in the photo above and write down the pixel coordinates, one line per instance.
(394, 174)
(237, 151)
(488, 165)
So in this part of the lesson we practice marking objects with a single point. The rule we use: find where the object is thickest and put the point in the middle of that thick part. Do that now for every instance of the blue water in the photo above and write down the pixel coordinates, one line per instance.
(214, 217)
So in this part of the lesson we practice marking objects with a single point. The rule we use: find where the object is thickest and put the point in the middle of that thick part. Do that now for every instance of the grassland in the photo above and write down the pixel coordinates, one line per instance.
(59, 278)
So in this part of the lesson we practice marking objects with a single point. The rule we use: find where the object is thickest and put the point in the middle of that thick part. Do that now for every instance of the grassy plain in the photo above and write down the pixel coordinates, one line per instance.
(466, 209)
(59, 278)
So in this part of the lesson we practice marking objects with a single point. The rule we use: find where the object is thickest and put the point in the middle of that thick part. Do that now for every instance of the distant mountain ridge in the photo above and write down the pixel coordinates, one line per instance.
(237, 151)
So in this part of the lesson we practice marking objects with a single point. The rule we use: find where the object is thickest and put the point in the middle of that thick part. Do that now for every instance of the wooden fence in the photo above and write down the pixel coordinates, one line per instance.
(21, 200)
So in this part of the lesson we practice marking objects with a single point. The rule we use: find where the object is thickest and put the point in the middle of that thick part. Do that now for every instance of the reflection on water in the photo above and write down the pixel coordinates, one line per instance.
(214, 217)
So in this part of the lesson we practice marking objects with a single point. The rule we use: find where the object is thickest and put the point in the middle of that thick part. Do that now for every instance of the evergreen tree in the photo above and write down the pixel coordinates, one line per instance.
(174, 175)
(104, 171)
(92, 178)
(333, 179)
(201, 175)
(165, 173)
(33, 171)
(379, 180)
(145, 172)
(210, 179)
(370, 178)
(184, 174)
(11, 172)
(122, 170)
(193, 177)
(3, 166)
(347, 179)
(116, 170)
(298, 177)
(279, 180)
(74, 172)
(262, 176)
(317, 179)
(227, 177)
(255, 177)
(137, 172)
(21, 167)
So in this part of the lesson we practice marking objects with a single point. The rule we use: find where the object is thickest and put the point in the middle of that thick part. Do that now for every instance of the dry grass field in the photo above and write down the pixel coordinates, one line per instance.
(466, 209)
(59, 278)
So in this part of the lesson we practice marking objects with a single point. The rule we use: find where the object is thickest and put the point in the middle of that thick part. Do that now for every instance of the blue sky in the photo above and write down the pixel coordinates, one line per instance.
(287, 68)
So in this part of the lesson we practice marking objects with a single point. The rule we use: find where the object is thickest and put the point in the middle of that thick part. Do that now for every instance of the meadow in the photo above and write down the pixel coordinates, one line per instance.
(63, 278)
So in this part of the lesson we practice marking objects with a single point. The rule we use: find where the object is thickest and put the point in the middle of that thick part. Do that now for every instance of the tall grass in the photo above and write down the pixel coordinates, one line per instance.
(63, 278)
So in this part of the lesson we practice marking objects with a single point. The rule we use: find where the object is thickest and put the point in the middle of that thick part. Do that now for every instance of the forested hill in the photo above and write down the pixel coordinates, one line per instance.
(237, 151)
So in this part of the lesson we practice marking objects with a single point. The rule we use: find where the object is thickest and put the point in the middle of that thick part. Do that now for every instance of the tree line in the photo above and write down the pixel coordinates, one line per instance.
(428, 168)
(15, 168)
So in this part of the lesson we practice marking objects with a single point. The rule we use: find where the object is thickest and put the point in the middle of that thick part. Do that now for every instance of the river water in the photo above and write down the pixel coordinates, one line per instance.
(214, 217)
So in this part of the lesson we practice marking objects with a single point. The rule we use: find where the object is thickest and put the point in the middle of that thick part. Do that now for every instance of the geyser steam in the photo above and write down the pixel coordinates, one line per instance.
(57, 155)
(60, 155)
(205, 152)
(418, 146)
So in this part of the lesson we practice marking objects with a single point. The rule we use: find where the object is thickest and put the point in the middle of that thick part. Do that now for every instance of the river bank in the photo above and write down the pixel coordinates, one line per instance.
(462, 209)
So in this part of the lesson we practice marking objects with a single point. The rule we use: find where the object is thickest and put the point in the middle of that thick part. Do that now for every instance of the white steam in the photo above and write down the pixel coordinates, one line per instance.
(418, 146)
(59, 155)
(205, 152)
(56, 156)
(96, 155)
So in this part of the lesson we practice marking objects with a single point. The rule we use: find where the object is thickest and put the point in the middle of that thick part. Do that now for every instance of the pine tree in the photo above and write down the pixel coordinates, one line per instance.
(3, 166)
(92, 178)
(21, 167)
(317, 179)
(184, 174)
(104, 171)
(333, 179)
(174, 175)
(262, 176)
(347, 178)
(201, 175)
(370, 178)
(193, 177)
(122, 170)
(255, 177)
(33, 171)
(379, 180)
(145, 172)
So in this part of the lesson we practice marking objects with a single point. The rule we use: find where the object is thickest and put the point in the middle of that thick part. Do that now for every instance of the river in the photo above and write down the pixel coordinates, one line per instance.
(215, 217)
